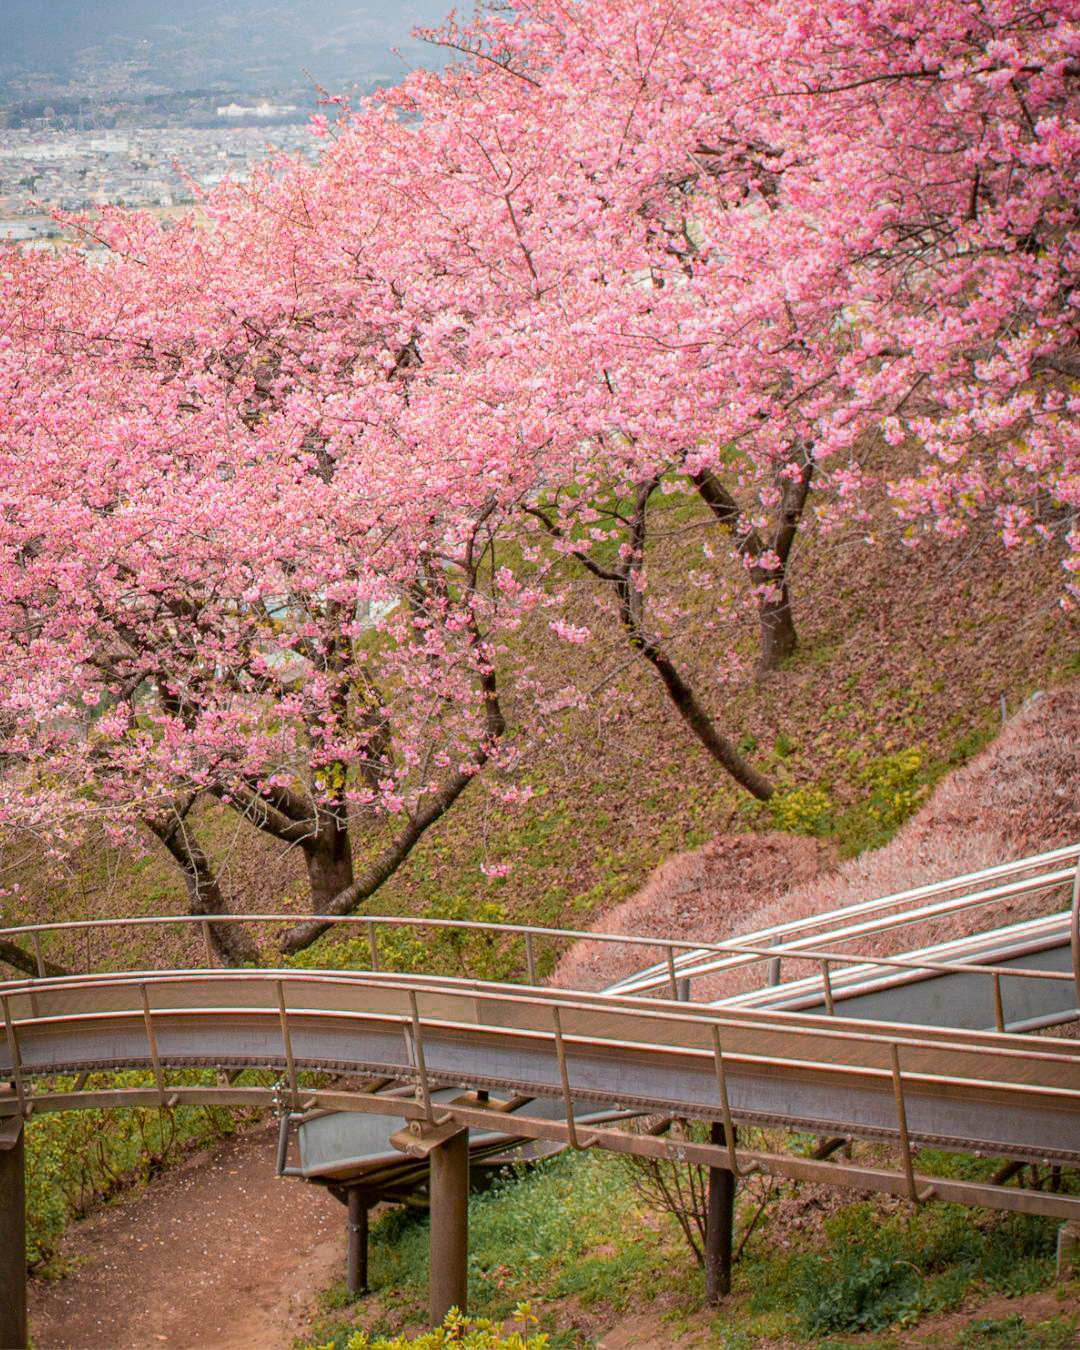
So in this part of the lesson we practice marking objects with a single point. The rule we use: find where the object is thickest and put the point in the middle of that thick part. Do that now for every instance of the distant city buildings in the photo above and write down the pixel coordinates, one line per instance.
(261, 109)
(44, 170)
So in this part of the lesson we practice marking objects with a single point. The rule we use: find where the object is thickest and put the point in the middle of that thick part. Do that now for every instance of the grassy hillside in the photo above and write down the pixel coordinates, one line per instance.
(907, 660)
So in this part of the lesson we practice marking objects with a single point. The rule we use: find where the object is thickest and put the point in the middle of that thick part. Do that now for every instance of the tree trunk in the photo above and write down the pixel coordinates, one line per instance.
(232, 943)
(632, 616)
(777, 629)
(329, 863)
(345, 900)
(776, 620)
(386, 864)
(702, 725)
(719, 1228)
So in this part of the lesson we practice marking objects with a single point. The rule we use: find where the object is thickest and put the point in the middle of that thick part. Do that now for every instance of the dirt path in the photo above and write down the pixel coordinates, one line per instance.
(219, 1254)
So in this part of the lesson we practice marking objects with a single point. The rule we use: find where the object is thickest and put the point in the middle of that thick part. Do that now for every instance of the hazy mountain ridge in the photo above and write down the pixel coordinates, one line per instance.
(250, 44)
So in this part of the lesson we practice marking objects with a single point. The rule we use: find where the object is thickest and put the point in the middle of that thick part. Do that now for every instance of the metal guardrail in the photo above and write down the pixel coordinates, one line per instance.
(817, 937)
(958, 997)
(822, 938)
(821, 1074)
(908, 1086)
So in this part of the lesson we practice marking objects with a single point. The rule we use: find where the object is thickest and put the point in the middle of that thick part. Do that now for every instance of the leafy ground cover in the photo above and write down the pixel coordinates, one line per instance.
(575, 1238)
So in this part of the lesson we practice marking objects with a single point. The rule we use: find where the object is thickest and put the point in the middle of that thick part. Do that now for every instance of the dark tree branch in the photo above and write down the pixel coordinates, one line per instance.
(13, 955)
(387, 863)
(631, 608)
(233, 945)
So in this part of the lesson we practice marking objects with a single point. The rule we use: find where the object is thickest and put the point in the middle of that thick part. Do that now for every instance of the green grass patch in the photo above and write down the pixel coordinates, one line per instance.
(571, 1227)
(874, 1273)
(997, 1333)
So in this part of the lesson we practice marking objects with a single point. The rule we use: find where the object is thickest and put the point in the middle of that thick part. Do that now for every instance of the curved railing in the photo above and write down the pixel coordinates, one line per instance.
(498, 1043)
(822, 940)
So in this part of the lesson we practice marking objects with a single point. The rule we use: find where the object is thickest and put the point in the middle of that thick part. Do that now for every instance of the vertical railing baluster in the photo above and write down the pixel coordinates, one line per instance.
(373, 946)
(421, 1062)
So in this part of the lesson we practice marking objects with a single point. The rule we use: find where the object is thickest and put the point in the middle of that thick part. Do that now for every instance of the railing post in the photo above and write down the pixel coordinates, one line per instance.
(902, 1130)
(286, 1040)
(773, 970)
(564, 1079)
(16, 1060)
(1074, 933)
(448, 1273)
(725, 1101)
(826, 981)
(421, 1062)
(672, 980)
(373, 946)
(151, 1040)
(12, 1235)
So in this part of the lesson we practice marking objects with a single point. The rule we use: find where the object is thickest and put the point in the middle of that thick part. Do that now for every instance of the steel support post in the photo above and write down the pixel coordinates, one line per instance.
(356, 1258)
(1068, 1247)
(449, 1242)
(719, 1224)
(12, 1237)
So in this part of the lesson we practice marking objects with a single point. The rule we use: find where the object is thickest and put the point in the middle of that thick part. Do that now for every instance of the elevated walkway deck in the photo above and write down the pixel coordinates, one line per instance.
(921, 1047)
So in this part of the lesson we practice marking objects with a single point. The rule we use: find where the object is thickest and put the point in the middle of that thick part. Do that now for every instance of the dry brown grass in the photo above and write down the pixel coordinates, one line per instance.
(1018, 797)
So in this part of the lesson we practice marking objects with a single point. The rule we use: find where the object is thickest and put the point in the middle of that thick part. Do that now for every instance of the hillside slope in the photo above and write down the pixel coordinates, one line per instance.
(1019, 796)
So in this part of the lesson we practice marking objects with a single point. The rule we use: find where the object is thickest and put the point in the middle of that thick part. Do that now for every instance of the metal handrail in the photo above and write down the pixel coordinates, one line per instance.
(750, 943)
(739, 953)
(698, 959)
(858, 1032)
(1071, 851)
(1068, 853)
(987, 1088)
(987, 1072)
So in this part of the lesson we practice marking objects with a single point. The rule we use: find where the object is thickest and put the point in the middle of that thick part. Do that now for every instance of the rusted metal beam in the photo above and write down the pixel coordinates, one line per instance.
(13, 1328)
(449, 1233)
(799, 1168)
(356, 1254)
(841, 1173)
(719, 1222)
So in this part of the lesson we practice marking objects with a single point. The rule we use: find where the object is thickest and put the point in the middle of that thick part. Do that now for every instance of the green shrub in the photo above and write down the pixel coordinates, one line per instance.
(874, 1274)
(458, 1330)
(803, 811)
(890, 789)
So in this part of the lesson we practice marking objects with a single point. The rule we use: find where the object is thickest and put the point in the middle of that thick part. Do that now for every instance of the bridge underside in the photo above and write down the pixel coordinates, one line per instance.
(921, 1050)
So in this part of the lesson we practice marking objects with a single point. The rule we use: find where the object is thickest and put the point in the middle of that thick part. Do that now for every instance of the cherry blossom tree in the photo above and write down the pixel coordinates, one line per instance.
(277, 486)
(200, 596)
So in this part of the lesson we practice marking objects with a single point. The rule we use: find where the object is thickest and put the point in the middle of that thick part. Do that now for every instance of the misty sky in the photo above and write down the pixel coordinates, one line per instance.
(180, 38)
